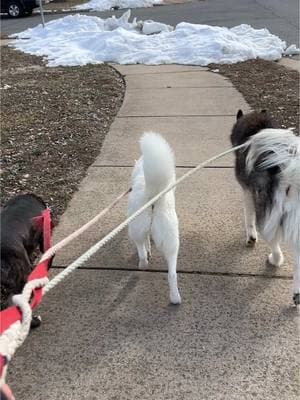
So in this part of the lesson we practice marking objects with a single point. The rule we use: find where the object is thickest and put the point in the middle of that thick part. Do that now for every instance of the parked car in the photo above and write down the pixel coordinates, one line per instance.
(18, 8)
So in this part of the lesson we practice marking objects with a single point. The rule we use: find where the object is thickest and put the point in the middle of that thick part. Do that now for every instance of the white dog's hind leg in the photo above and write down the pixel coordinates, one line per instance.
(142, 252)
(250, 219)
(149, 247)
(172, 279)
(275, 257)
(166, 238)
(296, 278)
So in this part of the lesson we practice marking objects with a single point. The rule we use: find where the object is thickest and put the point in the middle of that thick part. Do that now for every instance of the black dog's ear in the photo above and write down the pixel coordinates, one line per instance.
(239, 114)
(263, 111)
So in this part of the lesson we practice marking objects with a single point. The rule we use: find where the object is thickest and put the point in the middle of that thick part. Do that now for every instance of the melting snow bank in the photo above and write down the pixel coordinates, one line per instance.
(102, 5)
(79, 40)
(292, 50)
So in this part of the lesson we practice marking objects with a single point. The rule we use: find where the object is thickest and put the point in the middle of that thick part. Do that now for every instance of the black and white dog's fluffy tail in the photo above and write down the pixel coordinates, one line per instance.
(280, 149)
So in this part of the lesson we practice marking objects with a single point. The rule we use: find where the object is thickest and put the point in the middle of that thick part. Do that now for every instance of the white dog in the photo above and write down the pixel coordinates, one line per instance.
(153, 172)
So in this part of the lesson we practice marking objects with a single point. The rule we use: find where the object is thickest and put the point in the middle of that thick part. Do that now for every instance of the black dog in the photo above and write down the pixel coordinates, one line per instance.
(20, 239)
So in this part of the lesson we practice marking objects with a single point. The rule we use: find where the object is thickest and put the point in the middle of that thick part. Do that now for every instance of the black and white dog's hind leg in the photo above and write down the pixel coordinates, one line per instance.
(296, 279)
(276, 257)
(250, 218)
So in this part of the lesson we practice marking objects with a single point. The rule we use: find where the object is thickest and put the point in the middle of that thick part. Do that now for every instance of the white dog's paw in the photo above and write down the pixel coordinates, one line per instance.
(175, 298)
(276, 259)
(143, 264)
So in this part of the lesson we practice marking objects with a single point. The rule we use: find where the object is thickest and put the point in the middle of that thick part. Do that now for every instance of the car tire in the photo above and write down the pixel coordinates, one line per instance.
(15, 9)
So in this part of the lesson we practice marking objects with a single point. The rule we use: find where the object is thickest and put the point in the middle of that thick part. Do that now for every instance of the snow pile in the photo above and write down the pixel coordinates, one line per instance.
(102, 5)
(151, 27)
(80, 39)
(291, 51)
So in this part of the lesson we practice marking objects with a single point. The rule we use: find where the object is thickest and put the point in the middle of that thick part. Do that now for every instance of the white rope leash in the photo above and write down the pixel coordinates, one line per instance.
(50, 252)
(13, 337)
(89, 253)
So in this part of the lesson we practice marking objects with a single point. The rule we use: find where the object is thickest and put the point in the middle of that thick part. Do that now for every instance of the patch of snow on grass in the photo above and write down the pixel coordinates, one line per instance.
(80, 39)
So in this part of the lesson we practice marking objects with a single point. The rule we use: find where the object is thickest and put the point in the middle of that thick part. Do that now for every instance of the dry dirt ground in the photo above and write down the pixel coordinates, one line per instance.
(54, 120)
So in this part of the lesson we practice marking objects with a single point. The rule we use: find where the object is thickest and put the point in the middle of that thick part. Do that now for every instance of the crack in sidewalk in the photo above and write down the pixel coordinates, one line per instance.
(177, 166)
(204, 273)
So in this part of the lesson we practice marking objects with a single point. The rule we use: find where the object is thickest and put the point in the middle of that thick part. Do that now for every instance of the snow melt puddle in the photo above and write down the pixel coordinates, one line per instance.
(79, 40)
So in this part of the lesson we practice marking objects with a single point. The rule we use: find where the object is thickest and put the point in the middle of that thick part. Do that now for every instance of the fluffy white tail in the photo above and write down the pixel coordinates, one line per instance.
(282, 149)
(158, 162)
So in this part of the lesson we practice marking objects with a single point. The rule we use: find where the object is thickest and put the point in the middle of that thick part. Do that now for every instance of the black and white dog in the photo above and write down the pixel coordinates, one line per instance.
(20, 238)
(269, 174)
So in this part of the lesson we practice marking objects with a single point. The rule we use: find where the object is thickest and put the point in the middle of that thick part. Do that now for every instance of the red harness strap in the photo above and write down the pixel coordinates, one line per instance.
(12, 314)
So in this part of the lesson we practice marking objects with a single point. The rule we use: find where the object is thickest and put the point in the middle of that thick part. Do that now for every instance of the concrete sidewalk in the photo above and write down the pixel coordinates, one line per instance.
(108, 331)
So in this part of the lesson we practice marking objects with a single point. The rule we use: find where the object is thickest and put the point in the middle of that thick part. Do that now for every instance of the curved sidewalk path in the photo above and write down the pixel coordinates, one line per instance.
(109, 332)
